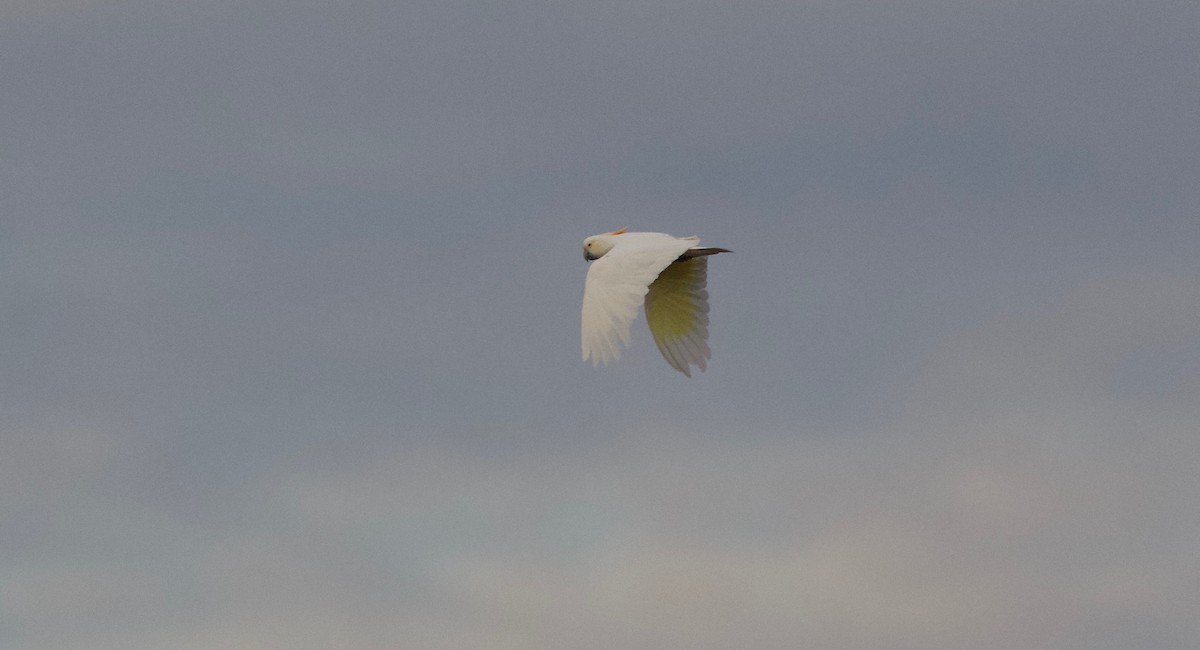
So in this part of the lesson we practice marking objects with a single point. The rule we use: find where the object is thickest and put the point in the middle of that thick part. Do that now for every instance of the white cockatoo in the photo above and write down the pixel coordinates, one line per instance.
(668, 274)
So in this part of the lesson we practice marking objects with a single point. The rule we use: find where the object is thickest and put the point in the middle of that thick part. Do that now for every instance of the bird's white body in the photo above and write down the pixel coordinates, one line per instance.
(665, 273)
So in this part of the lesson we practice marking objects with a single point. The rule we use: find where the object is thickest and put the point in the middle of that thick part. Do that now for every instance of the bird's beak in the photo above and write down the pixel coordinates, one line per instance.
(588, 256)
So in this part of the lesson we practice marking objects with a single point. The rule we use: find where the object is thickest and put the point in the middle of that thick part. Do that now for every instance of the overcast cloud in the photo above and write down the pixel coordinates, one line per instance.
(289, 300)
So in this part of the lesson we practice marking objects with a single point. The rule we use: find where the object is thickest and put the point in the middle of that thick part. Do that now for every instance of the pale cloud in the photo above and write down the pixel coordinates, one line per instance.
(1008, 505)
(1019, 498)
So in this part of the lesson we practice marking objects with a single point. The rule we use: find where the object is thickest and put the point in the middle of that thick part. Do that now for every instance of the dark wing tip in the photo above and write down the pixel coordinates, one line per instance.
(701, 252)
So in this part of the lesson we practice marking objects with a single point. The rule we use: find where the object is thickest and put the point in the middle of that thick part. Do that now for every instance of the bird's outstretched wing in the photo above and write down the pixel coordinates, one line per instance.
(617, 283)
(677, 312)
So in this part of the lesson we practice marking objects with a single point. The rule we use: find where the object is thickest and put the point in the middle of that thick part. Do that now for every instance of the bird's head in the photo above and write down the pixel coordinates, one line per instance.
(596, 246)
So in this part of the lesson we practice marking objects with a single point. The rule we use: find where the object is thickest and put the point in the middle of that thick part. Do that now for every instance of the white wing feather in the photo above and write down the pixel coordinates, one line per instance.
(617, 283)
(677, 312)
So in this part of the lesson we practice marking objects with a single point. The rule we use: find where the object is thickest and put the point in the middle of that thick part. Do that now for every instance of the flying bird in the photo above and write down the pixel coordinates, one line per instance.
(668, 274)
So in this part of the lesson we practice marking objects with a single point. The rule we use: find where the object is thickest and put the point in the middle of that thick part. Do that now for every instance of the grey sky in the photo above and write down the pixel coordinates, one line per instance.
(289, 345)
